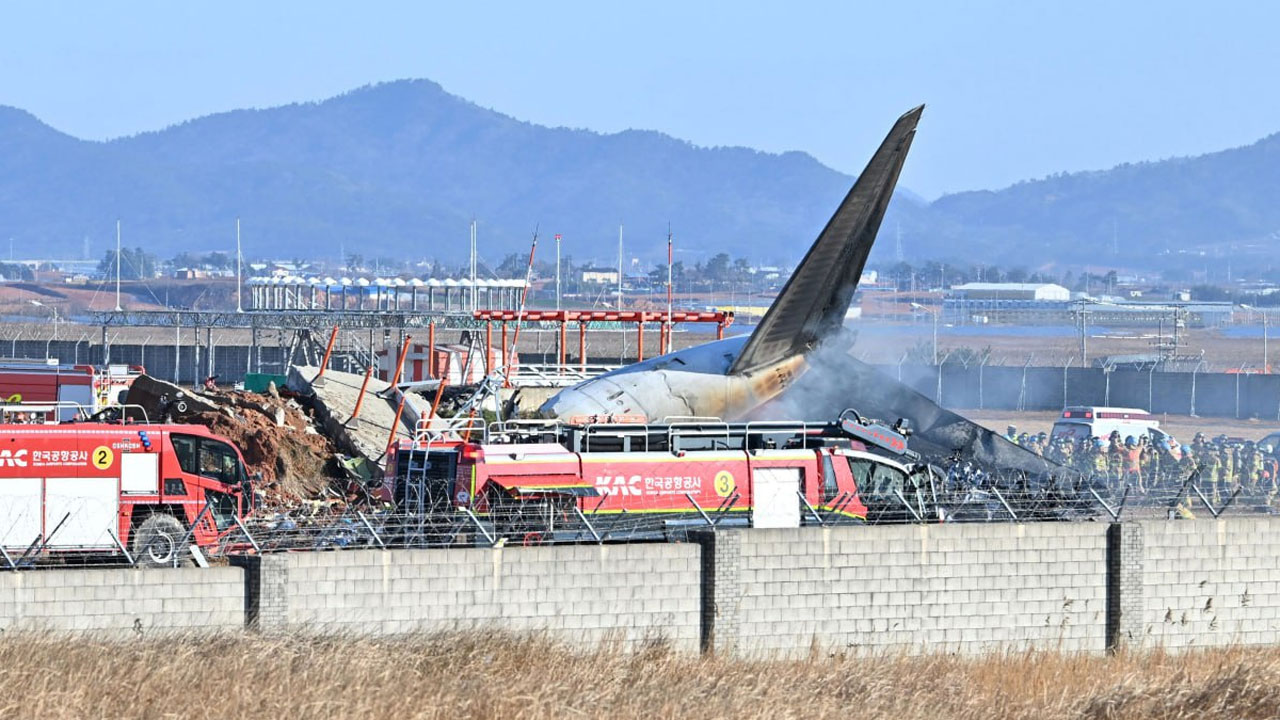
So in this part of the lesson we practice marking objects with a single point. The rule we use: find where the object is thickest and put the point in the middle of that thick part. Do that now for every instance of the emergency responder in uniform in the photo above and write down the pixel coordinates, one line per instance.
(1229, 476)
(1223, 469)
(1098, 457)
(1011, 434)
(1115, 459)
(1211, 460)
(1168, 464)
(1248, 467)
(1270, 466)
(1198, 444)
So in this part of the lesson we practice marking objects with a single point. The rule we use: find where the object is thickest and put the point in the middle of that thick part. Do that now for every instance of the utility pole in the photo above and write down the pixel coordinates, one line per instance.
(619, 305)
(473, 266)
(935, 343)
(557, 271)
(239, 282)
(1082, 323)
(118, 308)
(670, 325)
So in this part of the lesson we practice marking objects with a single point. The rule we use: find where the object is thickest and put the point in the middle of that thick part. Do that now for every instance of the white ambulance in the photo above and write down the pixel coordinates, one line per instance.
(1082, 422)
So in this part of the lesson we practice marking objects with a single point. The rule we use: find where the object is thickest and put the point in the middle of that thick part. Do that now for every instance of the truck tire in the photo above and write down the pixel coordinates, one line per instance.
(156, 541)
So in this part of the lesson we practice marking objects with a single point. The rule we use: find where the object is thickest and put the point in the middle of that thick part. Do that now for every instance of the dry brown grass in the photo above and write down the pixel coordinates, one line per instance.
(499, 676)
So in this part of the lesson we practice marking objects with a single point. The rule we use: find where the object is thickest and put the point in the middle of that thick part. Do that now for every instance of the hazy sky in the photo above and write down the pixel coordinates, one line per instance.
(1015, 90)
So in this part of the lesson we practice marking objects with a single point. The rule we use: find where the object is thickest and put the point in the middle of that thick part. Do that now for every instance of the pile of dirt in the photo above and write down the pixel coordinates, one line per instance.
(278, 439)
(277, 436)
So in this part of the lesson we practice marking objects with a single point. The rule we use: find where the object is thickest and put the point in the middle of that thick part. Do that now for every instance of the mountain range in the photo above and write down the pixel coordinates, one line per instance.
(400, 169)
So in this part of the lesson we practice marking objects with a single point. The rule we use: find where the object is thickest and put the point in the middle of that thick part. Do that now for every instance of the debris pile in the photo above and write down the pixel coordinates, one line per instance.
(275, 433)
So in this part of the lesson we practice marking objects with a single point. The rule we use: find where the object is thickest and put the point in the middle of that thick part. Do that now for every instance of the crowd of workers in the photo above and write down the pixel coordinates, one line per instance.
(1147, 465)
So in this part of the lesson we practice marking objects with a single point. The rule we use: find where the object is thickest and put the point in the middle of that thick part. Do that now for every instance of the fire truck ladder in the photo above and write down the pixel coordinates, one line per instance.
(428, 478)
(417, 493)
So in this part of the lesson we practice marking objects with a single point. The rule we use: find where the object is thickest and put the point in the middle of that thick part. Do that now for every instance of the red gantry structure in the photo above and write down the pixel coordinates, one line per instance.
(666, 319)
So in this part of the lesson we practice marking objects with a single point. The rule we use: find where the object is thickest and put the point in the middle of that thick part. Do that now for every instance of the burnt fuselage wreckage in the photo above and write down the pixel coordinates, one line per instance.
(795, 365)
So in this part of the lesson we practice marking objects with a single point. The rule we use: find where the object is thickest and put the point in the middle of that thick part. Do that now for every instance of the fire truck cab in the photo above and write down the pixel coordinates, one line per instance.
(532, 481)
(93, 488)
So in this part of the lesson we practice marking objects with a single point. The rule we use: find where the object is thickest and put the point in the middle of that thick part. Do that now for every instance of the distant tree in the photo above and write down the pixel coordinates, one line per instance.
(218, 261)
(382, 264)
(16, 272)
(355, 262)
(1016, 275)
(920, 354)
(968, 356)
(1210, 293)
(183, 259)
(135, 264)
(901, 274)
(717, 269)
(513, 265)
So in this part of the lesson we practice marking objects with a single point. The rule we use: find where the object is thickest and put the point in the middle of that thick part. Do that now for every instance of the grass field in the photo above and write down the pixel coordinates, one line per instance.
(496, 676)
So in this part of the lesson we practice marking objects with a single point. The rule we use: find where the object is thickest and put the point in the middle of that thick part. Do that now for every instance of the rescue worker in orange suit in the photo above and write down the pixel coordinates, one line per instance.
(1131, 464)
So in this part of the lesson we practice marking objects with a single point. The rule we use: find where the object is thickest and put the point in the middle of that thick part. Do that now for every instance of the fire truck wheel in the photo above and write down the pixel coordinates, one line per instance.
(156, 542)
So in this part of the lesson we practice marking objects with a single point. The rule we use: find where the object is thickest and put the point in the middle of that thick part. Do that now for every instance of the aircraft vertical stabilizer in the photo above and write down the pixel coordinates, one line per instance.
(815, 299)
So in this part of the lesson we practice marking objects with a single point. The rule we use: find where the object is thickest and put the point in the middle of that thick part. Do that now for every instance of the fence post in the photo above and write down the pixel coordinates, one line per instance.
(1239, 372)
(1022, 390)
(1150, 395)
(981, 369)
(938, 370)
(1064, 380)
(1193, 387)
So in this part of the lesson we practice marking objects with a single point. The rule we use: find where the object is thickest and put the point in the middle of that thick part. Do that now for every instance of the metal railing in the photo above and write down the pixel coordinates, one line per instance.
(554, 374)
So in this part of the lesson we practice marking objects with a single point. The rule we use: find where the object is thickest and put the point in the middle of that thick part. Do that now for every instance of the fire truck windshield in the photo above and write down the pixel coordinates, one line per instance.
(876, 480)
(208, 458)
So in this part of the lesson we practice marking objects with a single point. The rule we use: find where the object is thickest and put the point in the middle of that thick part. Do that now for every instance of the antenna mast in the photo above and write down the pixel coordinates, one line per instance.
(473, 266)
(239, 282)
(118, 308)
(619, 305)
(670, 325)
(557, 271)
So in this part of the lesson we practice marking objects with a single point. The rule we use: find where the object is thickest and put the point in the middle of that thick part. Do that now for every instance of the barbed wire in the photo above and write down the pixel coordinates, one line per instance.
(962, 493)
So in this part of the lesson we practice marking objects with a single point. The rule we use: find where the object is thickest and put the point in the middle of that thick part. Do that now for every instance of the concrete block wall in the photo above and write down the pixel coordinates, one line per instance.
(578, 594)
(960, 588)
(123, 601)
(935, 588)
(1211, 582)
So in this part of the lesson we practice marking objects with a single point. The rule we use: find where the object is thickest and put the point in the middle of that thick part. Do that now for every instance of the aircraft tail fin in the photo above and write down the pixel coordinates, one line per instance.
(815, 299)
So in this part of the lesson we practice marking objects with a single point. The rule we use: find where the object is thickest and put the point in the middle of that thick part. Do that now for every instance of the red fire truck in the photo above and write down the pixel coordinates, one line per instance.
(92, 488)
(48, 388)
(533, 482)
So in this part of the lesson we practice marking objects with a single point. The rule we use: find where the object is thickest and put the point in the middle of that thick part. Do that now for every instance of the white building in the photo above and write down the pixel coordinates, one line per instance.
(981, 302)
(1043, 292)
(600, 275)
